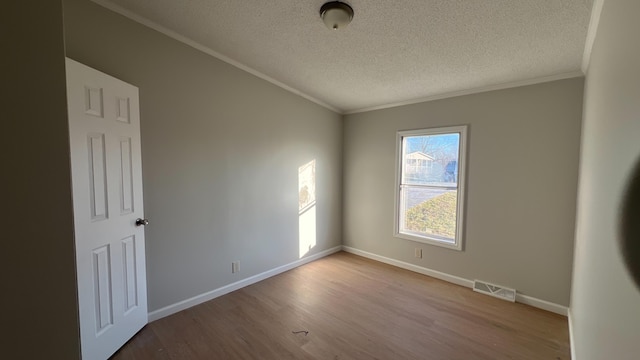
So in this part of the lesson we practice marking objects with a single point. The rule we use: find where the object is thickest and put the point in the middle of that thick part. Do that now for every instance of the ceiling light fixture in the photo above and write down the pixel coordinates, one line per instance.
(336, 14)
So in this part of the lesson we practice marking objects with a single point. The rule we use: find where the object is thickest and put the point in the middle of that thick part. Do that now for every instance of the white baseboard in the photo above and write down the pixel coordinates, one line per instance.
(524, 299)
(572, 344)
(542, 304)
(199, 299)
(415, 268)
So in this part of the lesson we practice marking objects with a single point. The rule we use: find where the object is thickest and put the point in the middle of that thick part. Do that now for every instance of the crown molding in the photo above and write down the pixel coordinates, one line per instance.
(595, 16)
(482, 89)
(596, 11)
(174, 35)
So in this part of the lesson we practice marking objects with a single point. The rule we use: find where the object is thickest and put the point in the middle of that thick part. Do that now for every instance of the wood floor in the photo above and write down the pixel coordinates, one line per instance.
(353, 308)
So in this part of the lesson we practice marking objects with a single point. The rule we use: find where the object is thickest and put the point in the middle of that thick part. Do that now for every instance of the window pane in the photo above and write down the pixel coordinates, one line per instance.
(431, 160)
(429, 212)
(430, 173)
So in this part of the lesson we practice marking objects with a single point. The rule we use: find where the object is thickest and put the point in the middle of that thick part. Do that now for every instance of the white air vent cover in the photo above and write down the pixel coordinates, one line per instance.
(495, 290)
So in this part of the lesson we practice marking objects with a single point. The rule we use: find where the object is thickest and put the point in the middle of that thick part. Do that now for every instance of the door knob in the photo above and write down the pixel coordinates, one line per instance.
(142, 222)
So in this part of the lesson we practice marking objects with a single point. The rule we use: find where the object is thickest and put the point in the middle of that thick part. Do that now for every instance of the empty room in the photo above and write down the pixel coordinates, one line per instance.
(318, 179)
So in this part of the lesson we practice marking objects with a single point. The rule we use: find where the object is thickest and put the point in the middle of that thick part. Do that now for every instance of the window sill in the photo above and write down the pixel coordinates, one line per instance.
(430, 241)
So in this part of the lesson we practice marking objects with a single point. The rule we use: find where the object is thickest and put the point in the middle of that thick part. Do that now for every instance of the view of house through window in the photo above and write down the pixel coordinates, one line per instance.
(430, 185)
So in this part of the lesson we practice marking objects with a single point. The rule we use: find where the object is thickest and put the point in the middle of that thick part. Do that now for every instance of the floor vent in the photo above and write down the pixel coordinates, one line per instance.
(495, 290)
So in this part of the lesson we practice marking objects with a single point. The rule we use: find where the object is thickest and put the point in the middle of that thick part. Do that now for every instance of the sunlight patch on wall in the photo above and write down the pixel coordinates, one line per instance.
(307, 207)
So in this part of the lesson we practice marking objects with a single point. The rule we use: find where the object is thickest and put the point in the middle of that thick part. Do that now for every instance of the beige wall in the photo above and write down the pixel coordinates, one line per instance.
(521, 185)
(605, 304)
(39, 319)
(221, 150)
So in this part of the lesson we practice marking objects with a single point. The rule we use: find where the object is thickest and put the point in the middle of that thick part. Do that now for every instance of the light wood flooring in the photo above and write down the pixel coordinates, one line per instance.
(353, 308)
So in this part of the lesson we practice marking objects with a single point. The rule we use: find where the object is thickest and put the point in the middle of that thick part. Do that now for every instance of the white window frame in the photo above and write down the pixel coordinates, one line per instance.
(460, 210)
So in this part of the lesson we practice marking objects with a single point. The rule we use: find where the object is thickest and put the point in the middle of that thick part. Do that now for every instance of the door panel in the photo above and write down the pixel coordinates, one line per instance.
(104, 134)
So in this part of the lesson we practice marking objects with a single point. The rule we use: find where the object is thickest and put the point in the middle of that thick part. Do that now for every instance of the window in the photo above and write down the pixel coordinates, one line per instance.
(430, 192)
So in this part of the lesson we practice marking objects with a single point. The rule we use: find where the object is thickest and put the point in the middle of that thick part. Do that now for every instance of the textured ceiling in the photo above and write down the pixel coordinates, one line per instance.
(394, 51)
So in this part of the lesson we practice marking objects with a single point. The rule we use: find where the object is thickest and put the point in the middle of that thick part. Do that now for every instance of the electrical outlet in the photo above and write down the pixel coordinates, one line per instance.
(235, 267)
(418, 253)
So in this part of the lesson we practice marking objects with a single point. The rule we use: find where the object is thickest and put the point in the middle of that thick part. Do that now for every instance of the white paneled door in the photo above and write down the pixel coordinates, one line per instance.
(104, 133)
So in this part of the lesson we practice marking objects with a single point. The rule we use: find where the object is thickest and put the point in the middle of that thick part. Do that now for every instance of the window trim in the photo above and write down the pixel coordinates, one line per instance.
(462, 165)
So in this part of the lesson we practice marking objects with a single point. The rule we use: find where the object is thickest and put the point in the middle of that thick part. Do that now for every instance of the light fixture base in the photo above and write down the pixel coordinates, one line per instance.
(336, 14)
